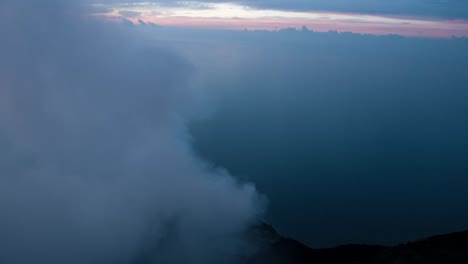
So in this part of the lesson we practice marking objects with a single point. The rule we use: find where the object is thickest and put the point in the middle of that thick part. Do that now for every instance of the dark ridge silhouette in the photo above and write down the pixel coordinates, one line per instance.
(275, 249)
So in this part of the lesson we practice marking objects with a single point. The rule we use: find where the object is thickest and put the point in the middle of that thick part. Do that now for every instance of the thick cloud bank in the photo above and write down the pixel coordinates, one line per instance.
(95, 165)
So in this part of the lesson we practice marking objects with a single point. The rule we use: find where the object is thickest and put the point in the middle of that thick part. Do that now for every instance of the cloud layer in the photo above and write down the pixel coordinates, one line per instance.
(95, 161)
(239, 17)
(432, 8)
(429, 8)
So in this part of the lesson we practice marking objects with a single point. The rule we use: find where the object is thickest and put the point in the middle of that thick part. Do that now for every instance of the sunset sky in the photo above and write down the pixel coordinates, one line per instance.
(163, 131)
(238, 16)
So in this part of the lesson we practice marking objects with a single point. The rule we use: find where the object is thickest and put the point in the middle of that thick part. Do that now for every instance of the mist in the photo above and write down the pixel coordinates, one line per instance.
(96, 164)
(353, 138)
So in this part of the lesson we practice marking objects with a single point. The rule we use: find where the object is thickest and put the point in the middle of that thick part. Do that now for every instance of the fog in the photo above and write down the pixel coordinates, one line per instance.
(118, 142)
(96, 164)
(353, 138)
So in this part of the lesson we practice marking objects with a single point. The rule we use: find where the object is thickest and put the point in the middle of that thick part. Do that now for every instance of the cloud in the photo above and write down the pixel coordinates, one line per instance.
(129, 13)
(95, 160)
(449, 8)
(431, 8)
(238, 17)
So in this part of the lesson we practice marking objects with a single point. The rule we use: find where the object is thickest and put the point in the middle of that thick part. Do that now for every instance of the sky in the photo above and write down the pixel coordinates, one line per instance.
(162, 131)
(262, 16)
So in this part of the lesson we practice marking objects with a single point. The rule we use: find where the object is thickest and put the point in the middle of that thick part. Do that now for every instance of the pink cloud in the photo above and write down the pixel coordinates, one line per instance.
(438, 29)
(237, 17)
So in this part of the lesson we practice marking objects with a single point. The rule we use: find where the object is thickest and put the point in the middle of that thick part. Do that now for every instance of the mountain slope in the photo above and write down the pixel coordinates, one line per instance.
(443, 249)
